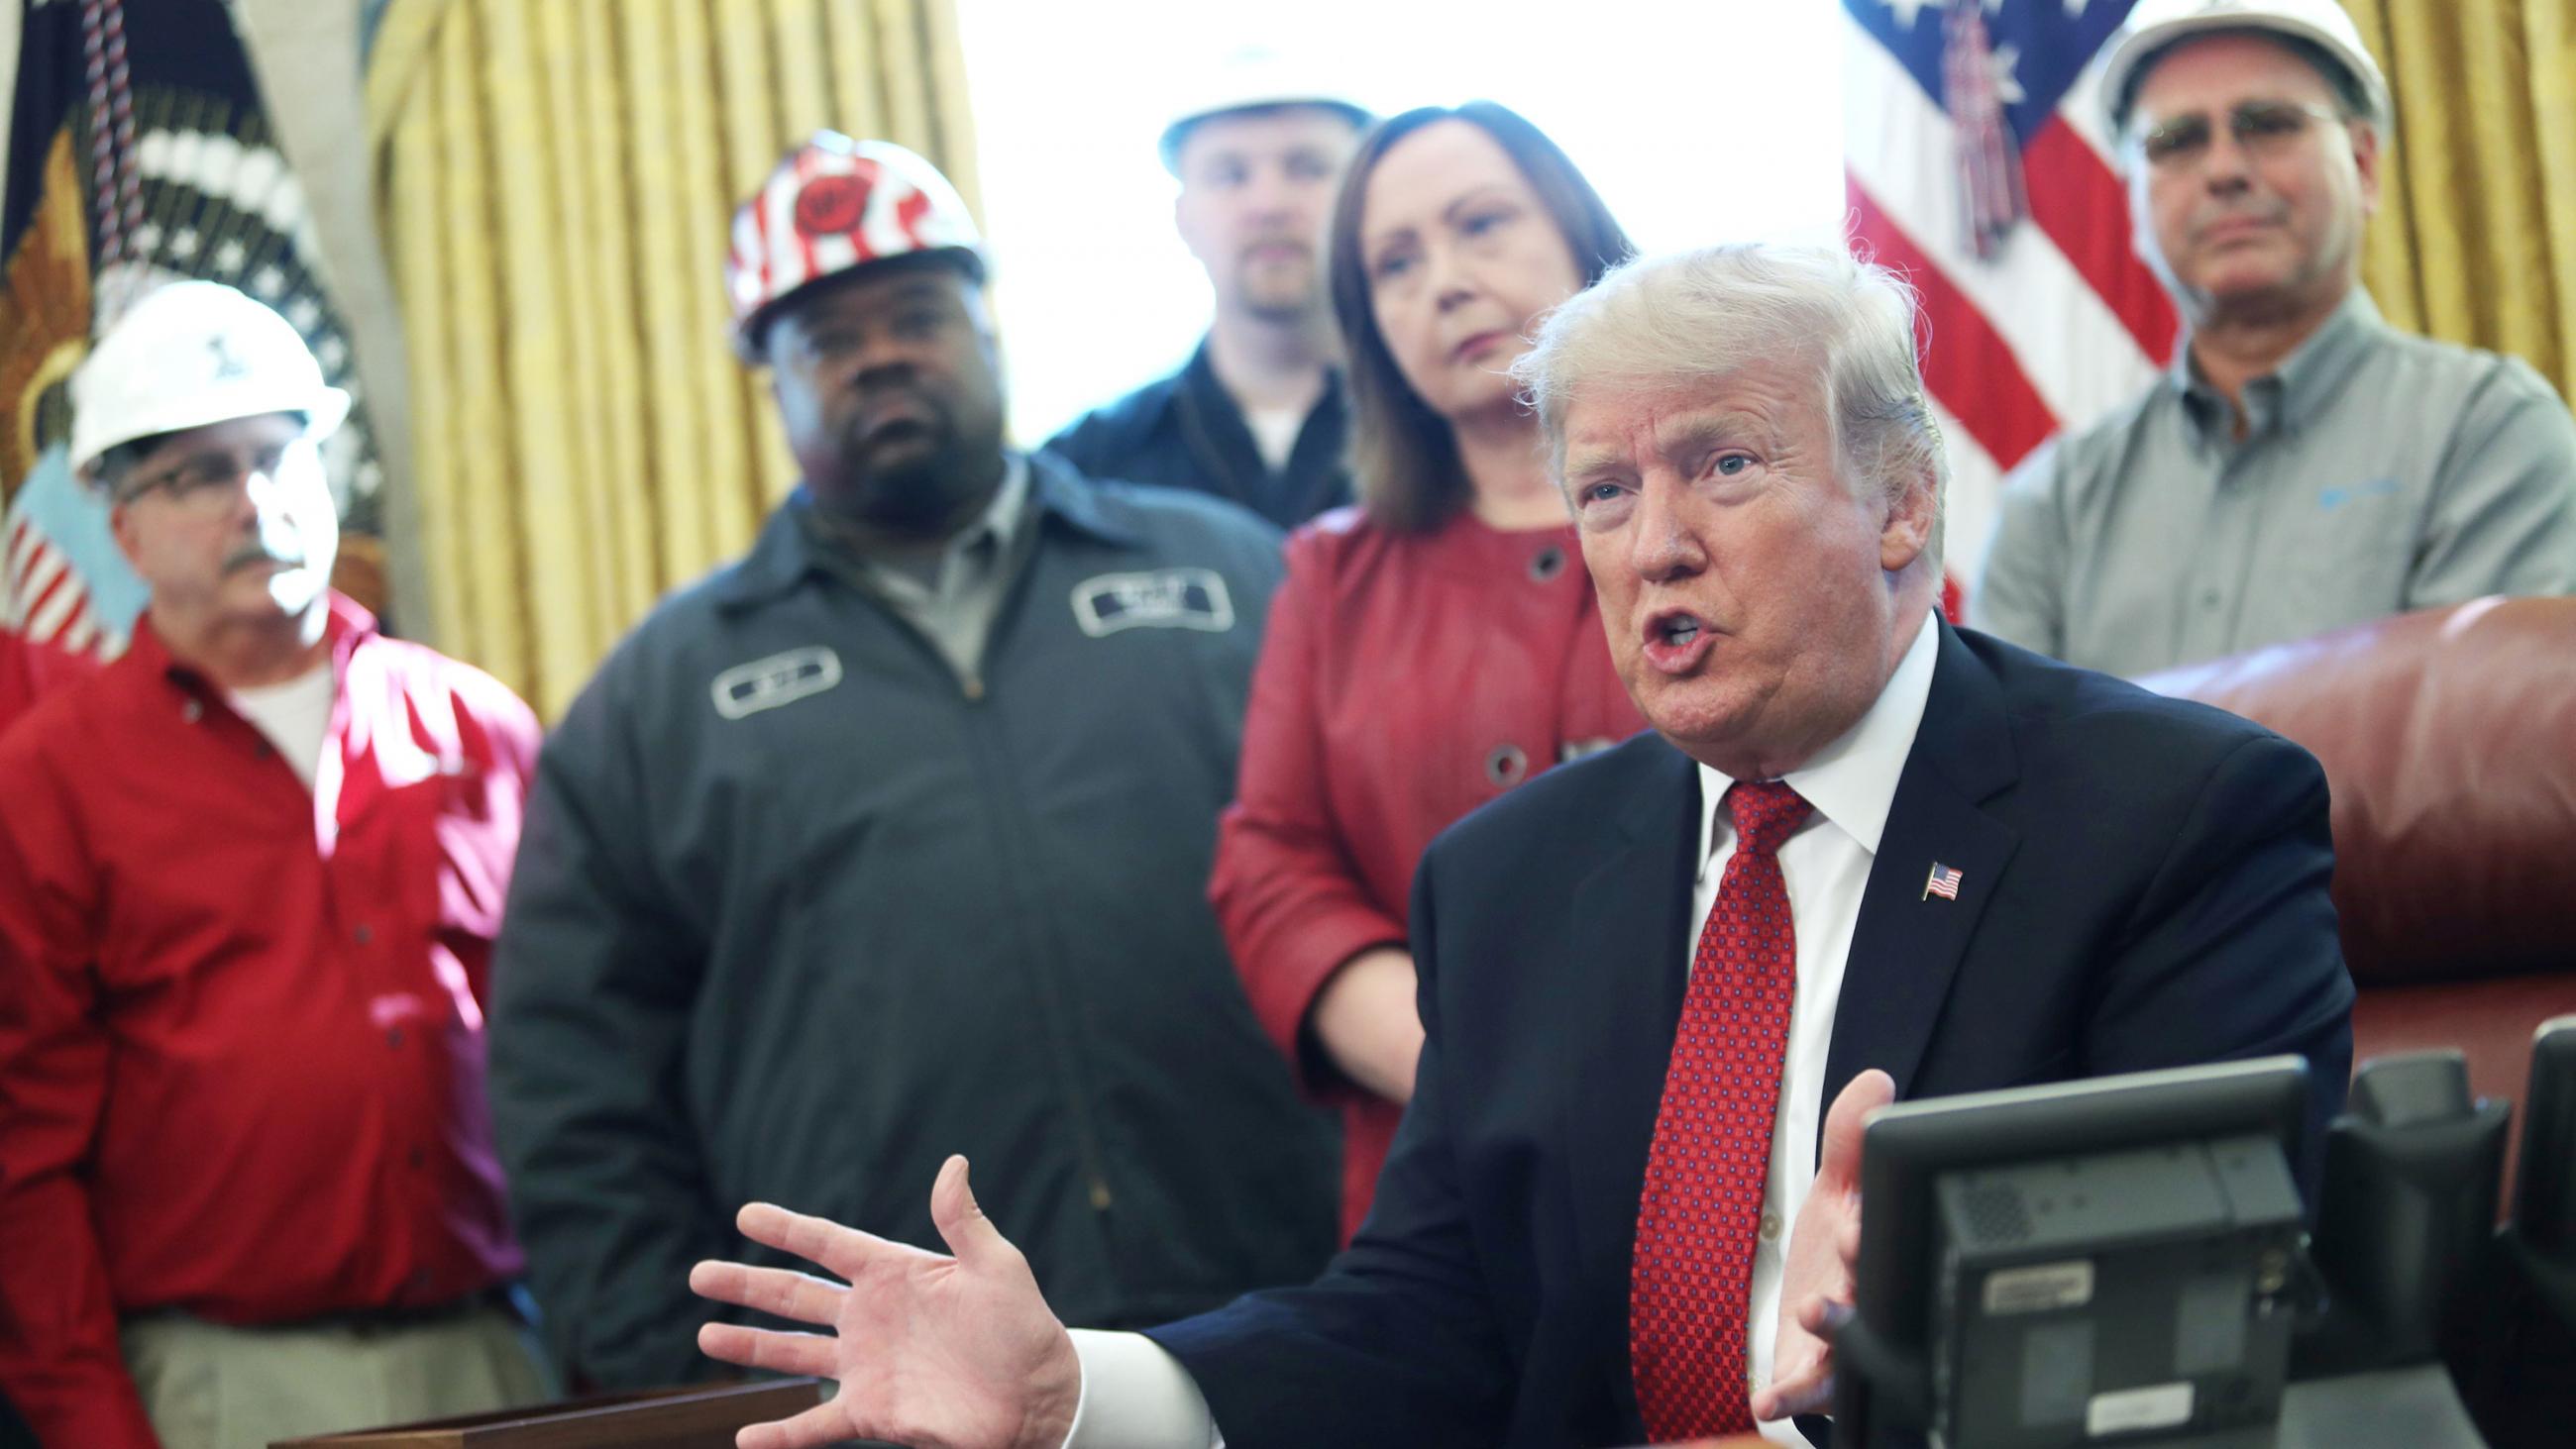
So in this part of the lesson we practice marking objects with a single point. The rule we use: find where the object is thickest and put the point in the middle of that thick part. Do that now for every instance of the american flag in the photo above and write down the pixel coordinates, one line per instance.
(1942, 882)
(42, 598)
(1977, 166)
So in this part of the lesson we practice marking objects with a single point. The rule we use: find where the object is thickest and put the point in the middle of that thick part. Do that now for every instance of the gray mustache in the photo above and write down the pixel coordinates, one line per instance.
(2273, 214)
(252, 553)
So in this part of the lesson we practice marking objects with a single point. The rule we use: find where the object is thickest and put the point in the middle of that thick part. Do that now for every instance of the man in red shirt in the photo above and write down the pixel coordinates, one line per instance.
(249, 877)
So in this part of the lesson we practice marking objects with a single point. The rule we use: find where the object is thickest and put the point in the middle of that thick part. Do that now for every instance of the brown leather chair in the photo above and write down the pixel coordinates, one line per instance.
(2449, 742)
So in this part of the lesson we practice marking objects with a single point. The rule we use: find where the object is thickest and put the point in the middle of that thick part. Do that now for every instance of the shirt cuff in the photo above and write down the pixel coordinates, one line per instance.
(1136, 1396)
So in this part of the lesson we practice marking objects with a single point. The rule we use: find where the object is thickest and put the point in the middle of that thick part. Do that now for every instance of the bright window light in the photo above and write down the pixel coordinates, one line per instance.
(1698, 120)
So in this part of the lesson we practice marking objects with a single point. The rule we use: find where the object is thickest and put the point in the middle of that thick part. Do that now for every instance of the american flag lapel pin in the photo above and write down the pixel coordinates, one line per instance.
(1942, 882)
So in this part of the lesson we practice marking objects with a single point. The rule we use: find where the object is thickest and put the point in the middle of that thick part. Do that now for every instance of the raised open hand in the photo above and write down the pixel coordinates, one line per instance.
(1824, 1249)
(936, 1352)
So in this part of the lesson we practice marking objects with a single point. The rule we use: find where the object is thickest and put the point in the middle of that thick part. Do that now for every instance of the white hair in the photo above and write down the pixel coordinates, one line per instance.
(1677, 322)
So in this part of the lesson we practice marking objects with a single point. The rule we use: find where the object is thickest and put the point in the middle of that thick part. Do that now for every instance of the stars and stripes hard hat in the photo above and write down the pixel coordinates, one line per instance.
(832, 205)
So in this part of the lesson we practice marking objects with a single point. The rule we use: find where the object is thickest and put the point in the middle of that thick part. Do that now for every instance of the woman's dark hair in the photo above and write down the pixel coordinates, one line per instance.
(1403, 456)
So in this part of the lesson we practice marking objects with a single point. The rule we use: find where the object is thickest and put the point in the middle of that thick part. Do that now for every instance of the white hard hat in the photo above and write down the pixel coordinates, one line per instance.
(188, 355)
(831, 205)
(2155, 24)
(1254, 80)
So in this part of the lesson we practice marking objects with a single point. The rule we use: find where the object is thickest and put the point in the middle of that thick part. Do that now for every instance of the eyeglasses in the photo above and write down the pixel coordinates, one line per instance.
(209, 481)
(2260, 127)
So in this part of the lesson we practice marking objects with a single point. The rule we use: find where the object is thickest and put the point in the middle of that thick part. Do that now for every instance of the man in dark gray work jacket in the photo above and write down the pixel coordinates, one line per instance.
(891, 841)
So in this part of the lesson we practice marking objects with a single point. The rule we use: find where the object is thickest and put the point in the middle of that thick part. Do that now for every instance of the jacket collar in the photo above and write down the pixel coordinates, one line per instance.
(1066, 500)
(785, 553)
(1197, 379)
(344, 628)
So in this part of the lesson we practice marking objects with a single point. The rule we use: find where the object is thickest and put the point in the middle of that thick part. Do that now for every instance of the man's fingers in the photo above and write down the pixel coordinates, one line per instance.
(1810, 1392)
(1811, 1315)
(1821, 1316)
(1839, 1163)
(800, 1296)
(845, 1251)
(1780, 1400)
(962, 1225)
(1847, 1243)
(821, 1424)
(1805, 1366)
(768, 1348)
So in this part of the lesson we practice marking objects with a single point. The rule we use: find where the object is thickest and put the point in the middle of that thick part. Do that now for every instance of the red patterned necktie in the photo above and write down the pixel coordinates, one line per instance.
(1691, 1276)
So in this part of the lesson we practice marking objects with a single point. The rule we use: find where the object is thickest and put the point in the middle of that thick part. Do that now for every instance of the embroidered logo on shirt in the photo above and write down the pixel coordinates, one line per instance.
(747, 689)
(2334, 498)
(1156, 599)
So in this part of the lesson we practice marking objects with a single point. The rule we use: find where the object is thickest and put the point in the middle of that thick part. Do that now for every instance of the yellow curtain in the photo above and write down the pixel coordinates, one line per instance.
(2476, 239)
(556, 184)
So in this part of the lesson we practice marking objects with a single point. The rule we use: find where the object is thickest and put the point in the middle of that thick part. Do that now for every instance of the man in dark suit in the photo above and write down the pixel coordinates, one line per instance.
(1862, 855)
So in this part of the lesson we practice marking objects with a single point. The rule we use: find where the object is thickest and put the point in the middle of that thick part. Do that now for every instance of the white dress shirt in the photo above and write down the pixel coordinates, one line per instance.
(1136, 1396)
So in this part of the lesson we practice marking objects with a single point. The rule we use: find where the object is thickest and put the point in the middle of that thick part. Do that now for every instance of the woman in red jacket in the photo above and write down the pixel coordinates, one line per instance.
(1437, 645)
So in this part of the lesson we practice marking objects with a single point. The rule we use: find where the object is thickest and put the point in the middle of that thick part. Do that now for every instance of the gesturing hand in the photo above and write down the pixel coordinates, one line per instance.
(1824, 1248)
(936, 1352)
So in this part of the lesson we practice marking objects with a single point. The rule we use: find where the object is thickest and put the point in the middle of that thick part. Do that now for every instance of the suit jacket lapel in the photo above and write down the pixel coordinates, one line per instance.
(1907, 943)
(1631, 922)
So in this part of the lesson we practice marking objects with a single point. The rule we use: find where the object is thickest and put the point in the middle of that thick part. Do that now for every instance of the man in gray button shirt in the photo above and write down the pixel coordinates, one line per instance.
(2303, 465)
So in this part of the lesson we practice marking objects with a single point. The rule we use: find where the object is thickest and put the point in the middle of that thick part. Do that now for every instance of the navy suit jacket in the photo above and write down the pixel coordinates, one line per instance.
(2143, 884)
